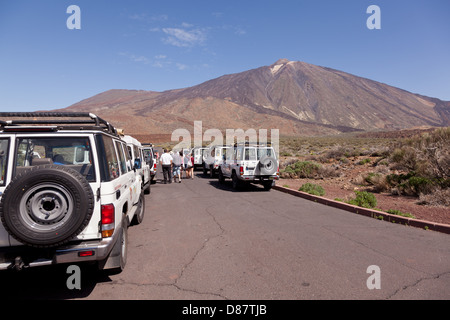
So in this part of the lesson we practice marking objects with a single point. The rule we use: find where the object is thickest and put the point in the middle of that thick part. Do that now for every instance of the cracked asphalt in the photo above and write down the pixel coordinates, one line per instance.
(203, 241)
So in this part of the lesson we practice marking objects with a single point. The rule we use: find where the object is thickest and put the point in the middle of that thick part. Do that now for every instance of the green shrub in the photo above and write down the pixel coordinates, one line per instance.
(420, 185)
(412, 184)
(285, 154)
(399, 213)
(313, 189)
(364, 161)
(364, 199)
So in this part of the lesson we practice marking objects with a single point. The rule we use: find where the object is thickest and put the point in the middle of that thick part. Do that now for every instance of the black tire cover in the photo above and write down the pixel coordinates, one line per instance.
(46, 206)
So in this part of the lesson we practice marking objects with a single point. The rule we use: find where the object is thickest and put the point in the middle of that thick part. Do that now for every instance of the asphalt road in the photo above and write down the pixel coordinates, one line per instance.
(202, 240)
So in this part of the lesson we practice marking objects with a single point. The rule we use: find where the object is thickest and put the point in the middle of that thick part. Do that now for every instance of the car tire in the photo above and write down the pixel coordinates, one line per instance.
(148, 188)
(117, 259)
(268, 185)
(140, 211)
(267, 166)
(221, 176)
(235, 181)
(46, 206)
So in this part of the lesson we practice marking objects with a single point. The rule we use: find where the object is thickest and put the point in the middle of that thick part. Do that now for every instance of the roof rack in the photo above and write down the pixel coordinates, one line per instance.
(253, 144)
(94, 122)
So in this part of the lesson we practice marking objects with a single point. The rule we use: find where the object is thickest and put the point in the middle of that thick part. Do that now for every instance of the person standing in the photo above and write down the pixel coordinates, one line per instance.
(191, 163)
(166, 161)
(177, 162)
(187, 161)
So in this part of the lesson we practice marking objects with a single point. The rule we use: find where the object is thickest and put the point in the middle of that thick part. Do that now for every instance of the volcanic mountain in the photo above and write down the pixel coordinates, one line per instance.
(295, 97)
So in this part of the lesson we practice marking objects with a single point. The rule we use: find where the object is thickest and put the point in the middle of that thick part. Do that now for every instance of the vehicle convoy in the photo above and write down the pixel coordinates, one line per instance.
(68, 191)
(250, 163)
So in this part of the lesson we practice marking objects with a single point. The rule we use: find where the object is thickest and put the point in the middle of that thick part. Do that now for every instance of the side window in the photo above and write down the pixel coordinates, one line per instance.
(4, 145)
(239, 154)
(136, 152)
(230, 153)
(122, 159)
(111, 158)
(128, 157)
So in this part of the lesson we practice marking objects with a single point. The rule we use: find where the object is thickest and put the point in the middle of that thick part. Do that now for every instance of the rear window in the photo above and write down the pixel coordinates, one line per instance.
(250, 154)
(268, 152)
(74, 152)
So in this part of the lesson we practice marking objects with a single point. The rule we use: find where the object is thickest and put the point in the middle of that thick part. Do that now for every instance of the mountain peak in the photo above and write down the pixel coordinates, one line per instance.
(294, 96)
(281, 61)
(274, 68)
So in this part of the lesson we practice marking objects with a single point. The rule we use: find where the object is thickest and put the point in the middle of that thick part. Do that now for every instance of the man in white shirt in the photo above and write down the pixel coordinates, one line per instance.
(166, 163)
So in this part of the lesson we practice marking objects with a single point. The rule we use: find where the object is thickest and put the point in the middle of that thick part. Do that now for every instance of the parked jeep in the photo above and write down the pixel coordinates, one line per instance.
(215, 156)
(199, 154)
(150, 158)
(141, 167)
(68, 191)
(250, 163)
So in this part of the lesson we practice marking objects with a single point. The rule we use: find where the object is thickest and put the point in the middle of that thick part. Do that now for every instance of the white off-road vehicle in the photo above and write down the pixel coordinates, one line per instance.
(250, 163)
(150, 158)
(68, 191)
(215, 156)
(142, 168)
(199, 154)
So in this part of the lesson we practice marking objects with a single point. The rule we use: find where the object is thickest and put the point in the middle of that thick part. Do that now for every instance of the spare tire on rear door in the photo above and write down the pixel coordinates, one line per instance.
(268, 166)
(46, 206)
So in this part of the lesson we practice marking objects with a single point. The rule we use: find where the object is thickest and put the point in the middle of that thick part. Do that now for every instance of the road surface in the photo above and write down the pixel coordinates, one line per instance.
(203, 240)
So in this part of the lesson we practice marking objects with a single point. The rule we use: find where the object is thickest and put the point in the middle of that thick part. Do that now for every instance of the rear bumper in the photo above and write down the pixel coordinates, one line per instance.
(257, 178)
(27, 257)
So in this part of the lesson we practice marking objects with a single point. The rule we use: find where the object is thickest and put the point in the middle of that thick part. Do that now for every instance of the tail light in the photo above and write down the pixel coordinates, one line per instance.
(155, 166)
(241, 170)
(108, 219)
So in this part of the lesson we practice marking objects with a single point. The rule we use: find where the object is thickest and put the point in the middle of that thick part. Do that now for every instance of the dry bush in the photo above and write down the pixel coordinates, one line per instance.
(440, 197)
(428, 155)
(360, 180)
(328, 172)
(380, 183)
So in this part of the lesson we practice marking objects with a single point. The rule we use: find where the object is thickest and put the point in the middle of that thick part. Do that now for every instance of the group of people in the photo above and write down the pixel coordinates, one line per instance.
(174, 164)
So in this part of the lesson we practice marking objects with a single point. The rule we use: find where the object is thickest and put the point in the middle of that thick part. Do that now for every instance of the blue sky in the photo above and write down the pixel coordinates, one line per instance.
(163, 45)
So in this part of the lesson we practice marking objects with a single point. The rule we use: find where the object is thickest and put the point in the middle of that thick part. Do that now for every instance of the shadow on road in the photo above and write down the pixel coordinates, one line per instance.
(227, 186)
(48, 283)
